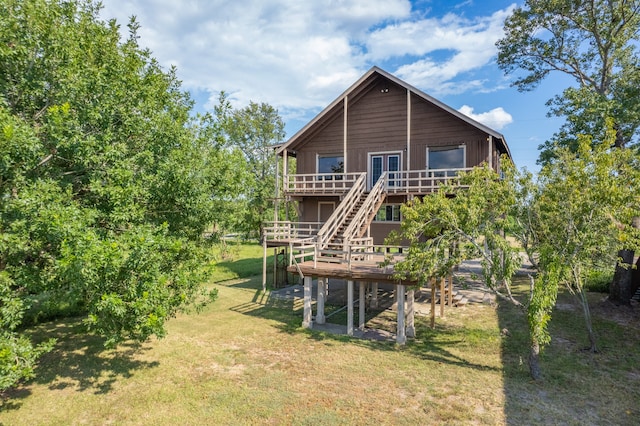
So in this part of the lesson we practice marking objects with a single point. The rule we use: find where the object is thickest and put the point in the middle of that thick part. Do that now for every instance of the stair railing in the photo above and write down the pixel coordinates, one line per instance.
(367, 211)
(331, 226)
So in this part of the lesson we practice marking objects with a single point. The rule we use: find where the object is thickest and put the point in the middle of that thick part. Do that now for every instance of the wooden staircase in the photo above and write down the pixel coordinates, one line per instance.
(350, 220)
(338, 240)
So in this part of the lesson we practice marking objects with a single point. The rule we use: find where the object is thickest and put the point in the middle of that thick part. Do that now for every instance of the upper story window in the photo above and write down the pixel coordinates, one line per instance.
(333, 164)
(446, 157)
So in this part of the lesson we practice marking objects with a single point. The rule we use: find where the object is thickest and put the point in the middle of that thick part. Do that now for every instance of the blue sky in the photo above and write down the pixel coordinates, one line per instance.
(300, 55)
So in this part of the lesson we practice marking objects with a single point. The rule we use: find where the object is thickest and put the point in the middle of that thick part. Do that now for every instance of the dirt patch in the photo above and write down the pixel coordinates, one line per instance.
(626, 315)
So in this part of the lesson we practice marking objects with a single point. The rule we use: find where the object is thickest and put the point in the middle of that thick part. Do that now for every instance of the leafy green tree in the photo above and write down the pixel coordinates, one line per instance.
(254, 131)
(594, 42)
(464, 222)
(579, 211)
(107, 181)
(570, 219)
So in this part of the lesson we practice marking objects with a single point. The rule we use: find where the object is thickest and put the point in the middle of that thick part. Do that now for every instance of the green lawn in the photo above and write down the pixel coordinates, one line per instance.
(246, 360)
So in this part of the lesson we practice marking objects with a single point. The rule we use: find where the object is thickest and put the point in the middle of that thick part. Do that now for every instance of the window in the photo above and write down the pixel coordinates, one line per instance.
(448, 157)
(331, 164)
(388, 213)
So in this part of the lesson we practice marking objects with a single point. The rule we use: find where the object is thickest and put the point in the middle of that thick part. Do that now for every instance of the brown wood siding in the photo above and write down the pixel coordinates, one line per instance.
(309, 207)
(380, 231)
(431, 126)
(326, 141)
(377, 122)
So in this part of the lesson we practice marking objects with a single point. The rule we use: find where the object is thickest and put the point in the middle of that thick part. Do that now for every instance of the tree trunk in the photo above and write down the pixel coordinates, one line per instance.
(635, 277)
(587, 318)
(620, 291)
(534, 361)
(623, 287)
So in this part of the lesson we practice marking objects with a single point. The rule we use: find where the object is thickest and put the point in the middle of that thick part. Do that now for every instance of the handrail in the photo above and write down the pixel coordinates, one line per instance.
(320, 182)
(371, 203)
(329, 229)
(401, 181)
(423, 181)
(287, 230)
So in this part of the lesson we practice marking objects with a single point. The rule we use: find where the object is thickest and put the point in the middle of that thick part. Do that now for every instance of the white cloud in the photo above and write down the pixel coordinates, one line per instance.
(470, 45)
(495, 119)
(300, 55)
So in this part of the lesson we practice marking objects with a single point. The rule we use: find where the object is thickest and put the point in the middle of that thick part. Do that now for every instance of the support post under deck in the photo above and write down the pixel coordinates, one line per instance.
(322, 294)
(349, 308)
(401, 337)
(411, 328)
(361, 305)
(306, 315)
(264, 265)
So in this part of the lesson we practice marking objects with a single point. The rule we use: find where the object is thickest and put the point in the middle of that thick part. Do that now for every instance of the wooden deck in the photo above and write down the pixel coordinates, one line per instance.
(357, 271)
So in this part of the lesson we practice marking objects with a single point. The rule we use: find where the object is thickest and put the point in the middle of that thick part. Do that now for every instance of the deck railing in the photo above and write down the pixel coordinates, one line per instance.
(287, 230)
(331, 226)
(320, 183)
(412, 181)
(367, 210)
(423, 181)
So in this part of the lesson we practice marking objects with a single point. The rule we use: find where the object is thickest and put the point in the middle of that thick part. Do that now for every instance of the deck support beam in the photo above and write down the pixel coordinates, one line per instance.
(411, 328)
(306, 316)
(264, 265)
(349, 308)
(361, 305)
(374, 295)
(401, 337)
(322, 294)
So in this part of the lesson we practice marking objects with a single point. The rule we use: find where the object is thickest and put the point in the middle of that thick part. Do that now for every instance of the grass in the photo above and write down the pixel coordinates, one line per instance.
(246, 360)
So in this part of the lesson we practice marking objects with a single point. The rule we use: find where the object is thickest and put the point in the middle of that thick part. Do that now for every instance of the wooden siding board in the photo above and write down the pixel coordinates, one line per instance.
(376, 123)
(431, 127)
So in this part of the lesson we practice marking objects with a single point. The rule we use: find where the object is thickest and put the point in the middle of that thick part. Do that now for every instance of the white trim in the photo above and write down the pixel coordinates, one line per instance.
(345, 132)
(318, 156)
(384, 154)
(408, 148)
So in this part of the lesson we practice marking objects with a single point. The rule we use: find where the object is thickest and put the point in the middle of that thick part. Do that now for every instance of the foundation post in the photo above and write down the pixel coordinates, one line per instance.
(306, 316)
(401, 337)
(432, 281)
(442, 297)
(320, 318)
(411, 328)
(361, 304)
(264, 265)
(374, 295)
(349, 308)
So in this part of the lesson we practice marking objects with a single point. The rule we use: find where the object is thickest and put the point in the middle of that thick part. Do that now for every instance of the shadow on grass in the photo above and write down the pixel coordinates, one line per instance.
(429, 344)
(578, 387)
(79, 361)
(243, 268)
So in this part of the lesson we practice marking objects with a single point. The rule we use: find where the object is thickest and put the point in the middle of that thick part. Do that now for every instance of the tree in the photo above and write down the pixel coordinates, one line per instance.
(595, 43)
(571, 218)
(473, 218)
(578, 212)
(107, 181)
(254, 130)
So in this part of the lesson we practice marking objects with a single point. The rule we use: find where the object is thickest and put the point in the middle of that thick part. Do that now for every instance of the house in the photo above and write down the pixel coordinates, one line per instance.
(378, 145)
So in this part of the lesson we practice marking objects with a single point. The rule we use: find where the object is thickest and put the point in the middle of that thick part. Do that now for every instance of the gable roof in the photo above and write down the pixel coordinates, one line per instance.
(375, 70)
